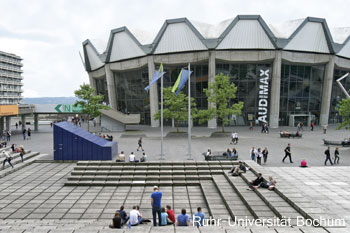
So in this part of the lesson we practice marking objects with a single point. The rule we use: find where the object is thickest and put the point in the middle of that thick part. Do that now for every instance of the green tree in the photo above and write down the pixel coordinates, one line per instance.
(344, 111)
(90, 103)
(220, 93)
(176, 107)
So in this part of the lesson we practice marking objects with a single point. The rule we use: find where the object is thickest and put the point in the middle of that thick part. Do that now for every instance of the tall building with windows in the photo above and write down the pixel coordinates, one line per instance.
(10, 79)
(285, 73)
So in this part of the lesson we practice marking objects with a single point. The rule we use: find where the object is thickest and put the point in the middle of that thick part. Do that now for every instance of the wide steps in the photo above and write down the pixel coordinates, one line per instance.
(279, 206)
(253, 202)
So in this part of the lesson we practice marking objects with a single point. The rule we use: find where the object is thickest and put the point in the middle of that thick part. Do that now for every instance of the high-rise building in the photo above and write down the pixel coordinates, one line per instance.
(10, 79)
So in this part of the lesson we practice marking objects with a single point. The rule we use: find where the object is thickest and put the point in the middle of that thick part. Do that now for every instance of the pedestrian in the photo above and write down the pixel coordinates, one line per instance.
(139, 142)
(328, 156)
(16, 125)
(336, 155)
(259, 156)
(263, 128)
(8, 159)
(8, 135)
(251, 126)
(13, 148)
(51, 124)
(156, 201)
(21, 152)
(252, 153)
(325, 129)
(312, 126)
(29, 132)
(236, 137)
(287, 154)
(232, 138)
(265, 153)
(24, 132)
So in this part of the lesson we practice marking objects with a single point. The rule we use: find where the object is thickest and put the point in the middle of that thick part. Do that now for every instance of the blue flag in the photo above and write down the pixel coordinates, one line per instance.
(157, 75)
(183, 79)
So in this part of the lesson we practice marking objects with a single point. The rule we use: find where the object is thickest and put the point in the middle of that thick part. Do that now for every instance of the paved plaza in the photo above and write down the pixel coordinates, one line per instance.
(41, 195)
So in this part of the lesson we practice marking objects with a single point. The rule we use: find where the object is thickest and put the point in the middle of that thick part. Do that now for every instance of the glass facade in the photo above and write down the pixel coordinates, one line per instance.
(301, 91)
(248, 78)
(131, 94)
(199, 81)
(337, 95)
(101, 88)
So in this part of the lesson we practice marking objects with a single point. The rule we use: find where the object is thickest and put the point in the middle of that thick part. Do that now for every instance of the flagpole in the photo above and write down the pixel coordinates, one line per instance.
(161, 117)
(189, 113)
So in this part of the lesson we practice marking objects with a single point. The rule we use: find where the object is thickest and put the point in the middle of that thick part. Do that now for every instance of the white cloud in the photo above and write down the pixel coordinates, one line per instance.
(48, 34)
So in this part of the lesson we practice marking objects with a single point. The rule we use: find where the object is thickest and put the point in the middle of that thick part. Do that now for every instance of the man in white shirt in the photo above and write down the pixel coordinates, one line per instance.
(134, 216)
(122, 156)
(132, 157)
(7, 158)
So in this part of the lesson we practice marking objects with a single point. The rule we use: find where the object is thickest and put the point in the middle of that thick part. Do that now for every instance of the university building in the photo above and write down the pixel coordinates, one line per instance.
(285, 73)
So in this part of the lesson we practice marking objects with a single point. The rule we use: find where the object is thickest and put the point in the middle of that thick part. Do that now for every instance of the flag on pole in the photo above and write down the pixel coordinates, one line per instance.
(177, 82)
(157, 74)
(181, 81)
(185, 74)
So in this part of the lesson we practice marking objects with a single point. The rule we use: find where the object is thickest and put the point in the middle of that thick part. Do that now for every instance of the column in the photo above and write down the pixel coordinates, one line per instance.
(112, 94)
(92, 82)
(8, 123)
(153, 92)
(211, 78)
(1, 124)
(36, 122)
(275, 90)
(23, 120)
(327, 91)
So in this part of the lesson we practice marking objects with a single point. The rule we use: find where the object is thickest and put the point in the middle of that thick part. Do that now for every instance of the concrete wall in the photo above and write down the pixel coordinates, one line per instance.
(275, 57)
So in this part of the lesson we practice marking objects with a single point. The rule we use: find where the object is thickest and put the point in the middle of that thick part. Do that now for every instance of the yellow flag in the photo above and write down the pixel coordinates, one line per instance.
(177, 82)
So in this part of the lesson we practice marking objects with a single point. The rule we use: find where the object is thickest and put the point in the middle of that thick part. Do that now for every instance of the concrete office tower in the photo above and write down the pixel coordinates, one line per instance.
(285, 73)
(10, 79)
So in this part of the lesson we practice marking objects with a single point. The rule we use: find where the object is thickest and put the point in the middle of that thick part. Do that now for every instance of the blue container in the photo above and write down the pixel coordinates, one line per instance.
(74, 143)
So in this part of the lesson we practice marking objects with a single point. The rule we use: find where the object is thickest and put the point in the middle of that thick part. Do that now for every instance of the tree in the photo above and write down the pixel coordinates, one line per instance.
(344, 111)
(90, 103)
(176, 107)
(221, 93)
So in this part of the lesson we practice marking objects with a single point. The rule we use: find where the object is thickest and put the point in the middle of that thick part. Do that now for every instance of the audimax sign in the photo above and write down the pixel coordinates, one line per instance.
(263, 97)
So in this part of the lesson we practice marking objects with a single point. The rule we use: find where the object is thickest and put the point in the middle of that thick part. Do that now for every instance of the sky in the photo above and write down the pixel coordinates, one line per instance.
(48, 35)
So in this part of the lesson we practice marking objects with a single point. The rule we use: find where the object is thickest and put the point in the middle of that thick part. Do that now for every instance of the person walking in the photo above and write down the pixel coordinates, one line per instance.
(8, 135)
(24, 132)
(325, 129)
(259, 156)
(156, 199)
(287, 154)
(16, 125)
(251, 126)
(139, 142)
(328, 156)
(8, 159)
(265, 153)
(312, 126)
(253, 153)
(21, 152)
(336, 155)
(29, 132)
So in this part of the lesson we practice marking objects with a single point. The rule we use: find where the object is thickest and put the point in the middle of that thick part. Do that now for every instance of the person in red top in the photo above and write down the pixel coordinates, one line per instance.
(171, 215)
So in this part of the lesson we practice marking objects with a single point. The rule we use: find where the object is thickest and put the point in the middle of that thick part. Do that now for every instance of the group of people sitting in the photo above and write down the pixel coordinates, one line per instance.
(259, 183)
(286, 134)
(132, 157)
(167, 217)
(3, 144)
(236, 170)
(106, 136)
(231, 153)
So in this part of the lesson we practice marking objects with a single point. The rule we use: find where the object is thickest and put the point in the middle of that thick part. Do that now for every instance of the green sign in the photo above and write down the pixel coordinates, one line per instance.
(68, 108)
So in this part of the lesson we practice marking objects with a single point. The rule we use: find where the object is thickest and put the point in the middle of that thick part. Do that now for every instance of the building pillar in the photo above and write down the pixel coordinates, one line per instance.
(92, 82)
(1, 124)
(112, 94)
(36, 122)
(23, 120)
(153, 92)
(8, 123)
(275, 91)
(211, 79)
(327, 91)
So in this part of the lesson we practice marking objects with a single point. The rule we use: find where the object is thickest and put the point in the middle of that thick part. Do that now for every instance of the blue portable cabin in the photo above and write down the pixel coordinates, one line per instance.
(74, 143)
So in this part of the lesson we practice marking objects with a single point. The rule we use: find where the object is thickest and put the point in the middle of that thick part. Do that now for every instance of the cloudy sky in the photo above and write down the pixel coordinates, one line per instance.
(48, 34)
